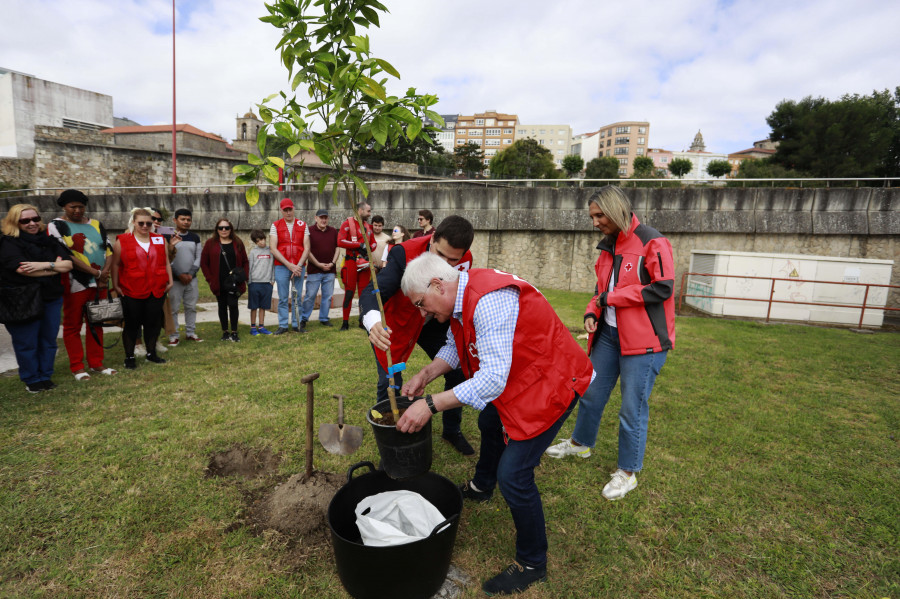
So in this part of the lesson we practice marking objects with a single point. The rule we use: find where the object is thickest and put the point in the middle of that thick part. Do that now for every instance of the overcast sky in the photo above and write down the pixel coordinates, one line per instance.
(718, 67)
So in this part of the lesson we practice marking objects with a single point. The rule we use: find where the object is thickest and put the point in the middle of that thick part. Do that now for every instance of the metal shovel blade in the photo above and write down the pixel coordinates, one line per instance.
(340, 438)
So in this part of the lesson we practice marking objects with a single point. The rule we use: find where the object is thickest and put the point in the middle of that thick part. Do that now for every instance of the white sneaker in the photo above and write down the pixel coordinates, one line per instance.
(620, 484)
(561, 450)
(160, 348)
(140, 351)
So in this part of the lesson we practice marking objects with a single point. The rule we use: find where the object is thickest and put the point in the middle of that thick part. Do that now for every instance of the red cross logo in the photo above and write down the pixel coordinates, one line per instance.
(628, 267)
(473, 350)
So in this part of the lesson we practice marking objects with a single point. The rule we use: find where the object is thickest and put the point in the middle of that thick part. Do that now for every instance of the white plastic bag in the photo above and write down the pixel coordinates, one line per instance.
(395, 518)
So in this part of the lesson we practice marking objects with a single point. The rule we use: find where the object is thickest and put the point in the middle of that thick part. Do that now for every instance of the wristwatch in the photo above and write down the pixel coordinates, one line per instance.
(52, 265)
(430, 403)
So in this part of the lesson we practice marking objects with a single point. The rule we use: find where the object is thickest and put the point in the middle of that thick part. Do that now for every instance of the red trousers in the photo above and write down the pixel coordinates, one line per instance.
(352, 280)
(73, 318)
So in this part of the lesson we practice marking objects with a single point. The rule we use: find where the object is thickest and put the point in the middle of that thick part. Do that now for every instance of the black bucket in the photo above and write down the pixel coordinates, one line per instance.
(403, 455)
(412, 571)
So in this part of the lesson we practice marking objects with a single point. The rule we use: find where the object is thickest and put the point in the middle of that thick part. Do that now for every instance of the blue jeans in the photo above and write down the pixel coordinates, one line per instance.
(283, 280)
(34, 343)
(638, 374)
(325, 280)
(511, 466)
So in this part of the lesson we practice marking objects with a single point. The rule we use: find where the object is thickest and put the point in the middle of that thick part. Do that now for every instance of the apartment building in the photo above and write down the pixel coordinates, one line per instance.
(556, 138)
(492, 130)
(624, 140)
(661, 159)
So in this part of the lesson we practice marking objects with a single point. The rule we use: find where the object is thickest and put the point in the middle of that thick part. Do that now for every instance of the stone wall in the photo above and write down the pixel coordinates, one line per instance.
(545, 236)
(16, 172)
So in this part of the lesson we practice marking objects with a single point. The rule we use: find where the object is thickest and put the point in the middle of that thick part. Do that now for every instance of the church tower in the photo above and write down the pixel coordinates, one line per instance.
(247, 128)
(698, 145)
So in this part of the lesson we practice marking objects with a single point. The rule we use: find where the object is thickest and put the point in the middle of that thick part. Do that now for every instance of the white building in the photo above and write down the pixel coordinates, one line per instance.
(700, 158)
(26, 101)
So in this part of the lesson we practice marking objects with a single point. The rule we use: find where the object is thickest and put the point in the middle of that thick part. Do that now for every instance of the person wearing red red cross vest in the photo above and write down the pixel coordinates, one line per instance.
(524, 374)
(289, 244)
(355, 271)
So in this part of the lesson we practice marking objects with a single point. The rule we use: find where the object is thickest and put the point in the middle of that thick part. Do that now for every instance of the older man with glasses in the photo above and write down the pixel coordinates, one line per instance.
(289, 243)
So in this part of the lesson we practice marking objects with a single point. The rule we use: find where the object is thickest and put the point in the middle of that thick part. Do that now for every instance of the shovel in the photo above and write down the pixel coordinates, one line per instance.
(340, 438)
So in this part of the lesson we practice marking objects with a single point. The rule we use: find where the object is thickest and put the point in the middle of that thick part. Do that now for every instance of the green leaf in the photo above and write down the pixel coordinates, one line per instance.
(361, 185)
(277, 161)
(252, 195)
(273, 19)
(244, 179)
(403, 113)
(254, 159)
(334, 193)
(284, 130)
(307, 144)
(265, 114)
(380, 129)
(323, 181)
(370, 15)
(322, 70)
(242, 168)
(435, 117)
(269, 98)
(270, 173)
(298, 79)
(388, 67)
(261, 138)
(293, 150)
(373, 88)
(361, 42)
(412, 130)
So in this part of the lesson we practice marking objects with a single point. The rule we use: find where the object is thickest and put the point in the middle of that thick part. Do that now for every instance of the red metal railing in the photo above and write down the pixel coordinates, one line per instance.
(862, 307)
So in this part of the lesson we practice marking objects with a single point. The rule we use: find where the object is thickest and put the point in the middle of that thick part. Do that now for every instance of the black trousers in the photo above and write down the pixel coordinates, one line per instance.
(228, 310)
(143, 313)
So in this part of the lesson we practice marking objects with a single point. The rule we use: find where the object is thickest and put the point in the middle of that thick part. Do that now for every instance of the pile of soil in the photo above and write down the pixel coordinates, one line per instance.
(298, 507)
(243, 462)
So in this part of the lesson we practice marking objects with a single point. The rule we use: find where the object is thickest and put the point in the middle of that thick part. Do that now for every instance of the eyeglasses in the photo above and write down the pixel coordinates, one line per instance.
(144, 223)
(419, 303)
(224, 228)
(33, 219)
(156, 220)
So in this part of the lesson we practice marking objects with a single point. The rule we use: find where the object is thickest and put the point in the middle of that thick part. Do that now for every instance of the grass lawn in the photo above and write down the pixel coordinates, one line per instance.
(772, 469)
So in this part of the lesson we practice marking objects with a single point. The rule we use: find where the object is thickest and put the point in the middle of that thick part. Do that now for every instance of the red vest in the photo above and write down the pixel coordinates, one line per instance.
(349, 238)
(404, 319)
(548, 367)
(141, 273)
(290, 246)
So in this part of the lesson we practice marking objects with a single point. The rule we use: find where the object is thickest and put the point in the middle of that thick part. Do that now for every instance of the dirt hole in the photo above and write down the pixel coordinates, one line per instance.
(243, 462)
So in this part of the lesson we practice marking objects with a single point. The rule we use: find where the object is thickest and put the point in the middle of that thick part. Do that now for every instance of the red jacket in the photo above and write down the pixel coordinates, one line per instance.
(209, 263)
(404, 319)
(349, 238)
(548, 367)
(142, 274)
(643, 295)
(290, 246)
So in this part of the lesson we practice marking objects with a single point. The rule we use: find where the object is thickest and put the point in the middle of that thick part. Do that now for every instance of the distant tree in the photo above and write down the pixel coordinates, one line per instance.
(680, 167)
(524, 159)
(572, 164)
(718, 168)
(856, 136)
(643, 167)
(764, 168)
(469, 157)
(605, 167)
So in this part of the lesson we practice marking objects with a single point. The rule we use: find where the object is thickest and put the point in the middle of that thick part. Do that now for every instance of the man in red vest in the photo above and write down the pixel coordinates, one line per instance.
(406, 327)
(355, 271)
(524, 374)
(289, 244)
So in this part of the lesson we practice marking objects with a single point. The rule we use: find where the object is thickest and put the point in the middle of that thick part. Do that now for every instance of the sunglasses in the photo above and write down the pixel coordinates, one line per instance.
(144, 223)
(156, 220)
(33, 219)
(224, 228)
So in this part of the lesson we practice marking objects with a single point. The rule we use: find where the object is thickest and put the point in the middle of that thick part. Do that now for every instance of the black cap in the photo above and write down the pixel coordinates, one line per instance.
(321, 212)
(71, 195)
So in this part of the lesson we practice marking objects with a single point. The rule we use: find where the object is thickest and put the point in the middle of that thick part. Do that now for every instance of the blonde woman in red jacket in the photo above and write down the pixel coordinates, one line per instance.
(141, 274)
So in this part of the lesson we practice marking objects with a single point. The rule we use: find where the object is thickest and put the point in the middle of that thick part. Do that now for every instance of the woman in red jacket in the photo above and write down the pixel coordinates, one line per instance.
(222, 253)
(141, 274)
(631, 326)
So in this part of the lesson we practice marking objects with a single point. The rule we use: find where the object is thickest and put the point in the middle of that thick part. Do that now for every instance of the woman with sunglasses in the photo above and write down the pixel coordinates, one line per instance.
(28, 256)
(398, 235)
(221, 254)
(142, 275)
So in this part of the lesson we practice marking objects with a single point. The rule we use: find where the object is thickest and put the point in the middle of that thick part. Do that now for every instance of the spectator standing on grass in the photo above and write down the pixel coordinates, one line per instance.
(524, 374)
(91, 253)
(185, 266)
(322, 264)
(355, 271)
(631, 326)
(425, 220)
(28, 256)
(381, 238)
(142, 275)
(167, 320)
(289, 244)
(222, 253)
(260, 283)
(406, 327)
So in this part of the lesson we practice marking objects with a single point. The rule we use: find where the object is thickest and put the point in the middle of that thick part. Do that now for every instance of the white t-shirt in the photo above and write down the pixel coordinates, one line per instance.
(609, 313)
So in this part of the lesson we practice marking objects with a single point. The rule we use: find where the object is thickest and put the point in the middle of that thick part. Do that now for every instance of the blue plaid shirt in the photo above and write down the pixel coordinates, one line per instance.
(495, 320)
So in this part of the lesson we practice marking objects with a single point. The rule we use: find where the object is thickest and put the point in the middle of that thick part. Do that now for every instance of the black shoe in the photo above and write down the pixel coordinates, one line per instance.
(155, 359)
(234, 337)
(469, 493)
(345, 326)
(515, 579)
(35, 387)
(130, 363)
(226, 336)
(280, 331)
(49, 385)
(459, 443)
(326, 323)
(302, 326)
(295, 329)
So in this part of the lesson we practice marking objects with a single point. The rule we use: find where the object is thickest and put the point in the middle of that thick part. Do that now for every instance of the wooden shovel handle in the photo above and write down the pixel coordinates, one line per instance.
(340, 399)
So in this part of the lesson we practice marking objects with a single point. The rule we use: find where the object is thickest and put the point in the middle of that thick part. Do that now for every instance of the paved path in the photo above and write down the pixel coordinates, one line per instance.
(210, 313)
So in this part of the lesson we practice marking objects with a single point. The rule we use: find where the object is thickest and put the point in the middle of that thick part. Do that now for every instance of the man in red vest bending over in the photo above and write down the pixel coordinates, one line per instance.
(355, 271)
(289, 244)
(406, 327)
(524, 371)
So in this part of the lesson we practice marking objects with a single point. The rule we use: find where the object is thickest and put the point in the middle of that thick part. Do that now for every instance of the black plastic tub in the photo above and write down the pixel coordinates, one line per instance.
(403, 455)
(411, 571)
